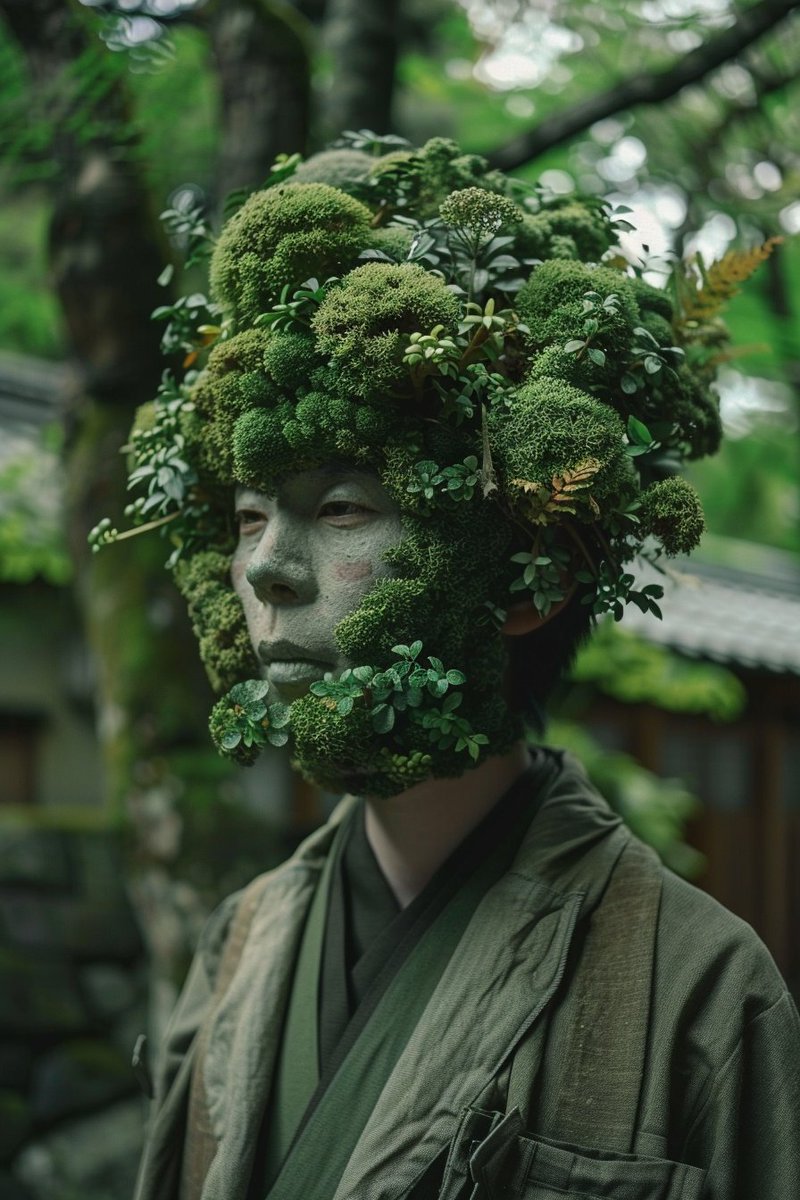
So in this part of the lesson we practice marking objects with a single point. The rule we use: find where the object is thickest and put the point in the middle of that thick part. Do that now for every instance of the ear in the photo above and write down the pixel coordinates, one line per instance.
(524, 618)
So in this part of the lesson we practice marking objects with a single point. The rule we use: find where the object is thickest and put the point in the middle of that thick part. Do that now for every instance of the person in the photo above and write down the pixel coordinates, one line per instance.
(472, 981)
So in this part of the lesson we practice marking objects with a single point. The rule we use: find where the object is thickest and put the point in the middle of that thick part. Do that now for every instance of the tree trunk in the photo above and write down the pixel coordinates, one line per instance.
(361, 36)
(261, 50)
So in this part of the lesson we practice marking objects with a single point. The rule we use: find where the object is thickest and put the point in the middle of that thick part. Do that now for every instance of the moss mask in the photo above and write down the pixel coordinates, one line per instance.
(521, 393)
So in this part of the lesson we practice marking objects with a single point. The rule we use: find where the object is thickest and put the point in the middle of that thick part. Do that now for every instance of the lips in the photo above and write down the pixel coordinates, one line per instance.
(291, 666)
(284, 651)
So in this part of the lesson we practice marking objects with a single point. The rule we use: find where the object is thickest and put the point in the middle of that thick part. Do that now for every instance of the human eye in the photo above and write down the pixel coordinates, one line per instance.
(344, 513)
(249, 520)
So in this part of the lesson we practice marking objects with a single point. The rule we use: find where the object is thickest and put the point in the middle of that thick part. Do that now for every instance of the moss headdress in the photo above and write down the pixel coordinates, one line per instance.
(524, 396)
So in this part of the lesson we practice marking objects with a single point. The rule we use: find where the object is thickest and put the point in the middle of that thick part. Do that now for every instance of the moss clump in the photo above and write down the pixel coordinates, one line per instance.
(652, 299)
(363, 325)
(217, 619)
(552, 428)
(290, 360)
(235, 380)
(672, 512)
(555, 363)
(393, 240)
(330, 749)
(280, 236)
(261, 450)
(344, 169)
(391, 612)
(430, 173)
(551, 303)
(566, 228)
(695, 409)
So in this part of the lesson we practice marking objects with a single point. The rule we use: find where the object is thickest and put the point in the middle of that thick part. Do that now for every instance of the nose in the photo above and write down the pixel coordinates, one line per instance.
(279, 571)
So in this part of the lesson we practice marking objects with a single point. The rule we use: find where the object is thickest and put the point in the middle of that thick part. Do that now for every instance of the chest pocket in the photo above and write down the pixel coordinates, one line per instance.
(492, 1158)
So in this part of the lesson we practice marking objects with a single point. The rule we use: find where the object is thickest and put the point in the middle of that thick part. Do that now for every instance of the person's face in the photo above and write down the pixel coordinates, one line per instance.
(303, 561)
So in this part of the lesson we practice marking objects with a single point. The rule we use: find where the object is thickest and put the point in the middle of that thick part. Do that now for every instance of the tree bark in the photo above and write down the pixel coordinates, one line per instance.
(361, 36)
(645, 87)
(262, 54)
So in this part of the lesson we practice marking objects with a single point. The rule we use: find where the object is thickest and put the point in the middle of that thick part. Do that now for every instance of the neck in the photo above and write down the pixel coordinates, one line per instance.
(413, 833)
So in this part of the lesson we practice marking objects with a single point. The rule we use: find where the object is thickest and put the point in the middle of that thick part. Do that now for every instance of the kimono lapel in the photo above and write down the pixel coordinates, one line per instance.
(245, 1029)
(509, 963)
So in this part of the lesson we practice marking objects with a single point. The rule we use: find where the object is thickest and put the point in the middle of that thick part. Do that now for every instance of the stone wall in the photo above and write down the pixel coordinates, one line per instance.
(73, 991)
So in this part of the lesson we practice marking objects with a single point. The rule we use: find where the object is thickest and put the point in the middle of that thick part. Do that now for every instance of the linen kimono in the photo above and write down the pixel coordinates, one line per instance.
(564, 1018)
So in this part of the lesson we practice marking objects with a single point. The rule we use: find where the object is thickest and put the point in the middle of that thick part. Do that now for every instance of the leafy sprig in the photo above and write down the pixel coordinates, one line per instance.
(296, 308)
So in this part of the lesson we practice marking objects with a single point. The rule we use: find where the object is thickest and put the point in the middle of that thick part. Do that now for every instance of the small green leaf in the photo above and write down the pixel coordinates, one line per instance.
(573, 346)
(231, 739)
(382, 718)
(638, 432)
(597, 356)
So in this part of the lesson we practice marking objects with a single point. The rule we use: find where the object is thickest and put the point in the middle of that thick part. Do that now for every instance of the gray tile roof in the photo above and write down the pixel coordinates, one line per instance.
(743, 611)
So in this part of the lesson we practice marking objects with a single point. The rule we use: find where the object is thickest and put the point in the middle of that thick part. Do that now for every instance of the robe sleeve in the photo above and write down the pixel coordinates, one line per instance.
(746, 1131)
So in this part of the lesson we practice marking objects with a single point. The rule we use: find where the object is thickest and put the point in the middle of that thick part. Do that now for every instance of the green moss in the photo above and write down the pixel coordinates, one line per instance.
(553, 428)
(672, 512)
(433, 171)
(392, 611)
(652, 299)
(363, 324)
(284, 235)
(235, 379)
(551, 303)
(261, 450)
(566, 229)
(393, 240)
(217, 619)
(290, 360)
(344, 169)
(331, 749)
(555, 363)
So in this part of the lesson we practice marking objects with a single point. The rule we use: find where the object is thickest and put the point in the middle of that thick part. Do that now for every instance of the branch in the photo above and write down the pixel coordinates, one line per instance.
(645, 87)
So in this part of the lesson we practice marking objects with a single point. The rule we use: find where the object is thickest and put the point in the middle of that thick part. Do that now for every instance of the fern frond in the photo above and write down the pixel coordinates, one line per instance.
(701, 292)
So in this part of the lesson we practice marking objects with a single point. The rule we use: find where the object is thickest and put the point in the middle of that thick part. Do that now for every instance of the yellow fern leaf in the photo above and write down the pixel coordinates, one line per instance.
(720, 282)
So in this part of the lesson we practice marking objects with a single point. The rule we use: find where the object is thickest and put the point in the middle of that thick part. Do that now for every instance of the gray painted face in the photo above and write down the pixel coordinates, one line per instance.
(304, 559)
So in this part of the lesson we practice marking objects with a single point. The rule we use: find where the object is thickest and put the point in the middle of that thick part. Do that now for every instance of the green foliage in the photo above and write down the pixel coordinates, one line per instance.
(242, 722)
(32, 541)
(671, 511)
(343, 168)
(634, 671)
(280, 237)
(543, 573)
(566, 228)
(656, 810)
(29, 317)
(553, 303)
(551, 428)
(361, 325)
(217, 618)
(420, 179)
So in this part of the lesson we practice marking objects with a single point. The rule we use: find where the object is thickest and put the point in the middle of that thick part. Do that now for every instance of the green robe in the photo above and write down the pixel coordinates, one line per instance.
(476, 1095)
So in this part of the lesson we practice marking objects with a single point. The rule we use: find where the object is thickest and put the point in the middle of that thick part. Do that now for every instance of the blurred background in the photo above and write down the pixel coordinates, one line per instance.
(119, 826)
